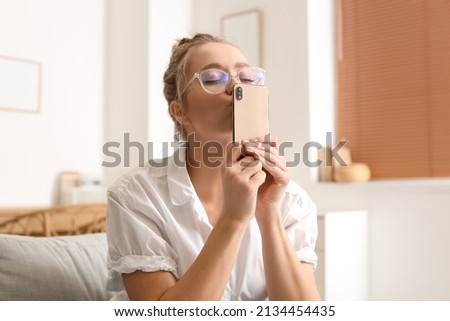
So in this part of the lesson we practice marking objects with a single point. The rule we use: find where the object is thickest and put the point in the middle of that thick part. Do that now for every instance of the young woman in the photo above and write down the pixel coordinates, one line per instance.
(237, 230)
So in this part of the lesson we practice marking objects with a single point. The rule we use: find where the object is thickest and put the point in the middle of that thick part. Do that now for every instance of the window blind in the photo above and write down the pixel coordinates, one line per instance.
(393, 74)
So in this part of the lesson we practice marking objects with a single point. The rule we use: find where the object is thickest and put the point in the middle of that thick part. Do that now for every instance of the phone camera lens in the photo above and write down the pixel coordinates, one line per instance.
(239, 93)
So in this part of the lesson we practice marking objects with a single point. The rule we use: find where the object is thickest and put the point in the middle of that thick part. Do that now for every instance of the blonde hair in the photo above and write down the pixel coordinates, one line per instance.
(175, 75)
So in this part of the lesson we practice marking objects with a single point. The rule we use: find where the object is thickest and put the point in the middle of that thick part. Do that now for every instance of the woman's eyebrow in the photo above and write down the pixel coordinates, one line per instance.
(220, 66)
(212, 65)
(241, 64)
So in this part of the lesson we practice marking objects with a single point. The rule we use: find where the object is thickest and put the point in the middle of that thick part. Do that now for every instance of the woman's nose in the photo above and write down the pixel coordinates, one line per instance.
(233, 81)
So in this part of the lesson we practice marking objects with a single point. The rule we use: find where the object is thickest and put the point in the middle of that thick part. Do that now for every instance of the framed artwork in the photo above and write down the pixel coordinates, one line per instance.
(20, 85)
(244, 30)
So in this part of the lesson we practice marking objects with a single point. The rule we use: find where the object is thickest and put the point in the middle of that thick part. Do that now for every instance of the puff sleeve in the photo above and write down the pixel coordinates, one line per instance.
(137, 240)
(300, 221)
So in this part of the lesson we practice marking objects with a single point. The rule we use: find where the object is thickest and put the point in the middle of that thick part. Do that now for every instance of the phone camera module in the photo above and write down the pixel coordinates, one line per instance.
(239, 93)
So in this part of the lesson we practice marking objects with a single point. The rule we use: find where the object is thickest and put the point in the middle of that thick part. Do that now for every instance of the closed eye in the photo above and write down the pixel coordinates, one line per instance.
(247, 80)
(213, 76)
(212, 81)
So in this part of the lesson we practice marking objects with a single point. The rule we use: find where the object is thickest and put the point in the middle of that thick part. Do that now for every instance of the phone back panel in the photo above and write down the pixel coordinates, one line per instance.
(250, 112)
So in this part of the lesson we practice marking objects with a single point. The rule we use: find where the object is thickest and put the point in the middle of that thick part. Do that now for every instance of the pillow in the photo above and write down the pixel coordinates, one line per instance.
(53, 268)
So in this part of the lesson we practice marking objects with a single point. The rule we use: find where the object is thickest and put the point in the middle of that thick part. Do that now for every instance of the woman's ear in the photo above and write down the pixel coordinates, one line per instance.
(177, 111)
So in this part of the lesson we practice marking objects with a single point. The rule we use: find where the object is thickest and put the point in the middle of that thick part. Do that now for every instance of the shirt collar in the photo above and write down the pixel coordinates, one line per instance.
(180, 186)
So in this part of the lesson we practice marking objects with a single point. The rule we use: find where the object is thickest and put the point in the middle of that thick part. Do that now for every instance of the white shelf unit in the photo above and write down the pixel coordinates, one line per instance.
(342, 250)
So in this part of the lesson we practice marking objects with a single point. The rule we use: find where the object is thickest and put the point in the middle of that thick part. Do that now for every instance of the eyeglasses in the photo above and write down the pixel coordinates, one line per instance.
(216, 81)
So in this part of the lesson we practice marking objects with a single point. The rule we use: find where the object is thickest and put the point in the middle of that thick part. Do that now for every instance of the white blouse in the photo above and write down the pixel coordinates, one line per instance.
(156, 222)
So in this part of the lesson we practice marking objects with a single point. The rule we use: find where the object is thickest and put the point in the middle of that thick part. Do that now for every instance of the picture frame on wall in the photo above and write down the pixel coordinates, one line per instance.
(20, 85)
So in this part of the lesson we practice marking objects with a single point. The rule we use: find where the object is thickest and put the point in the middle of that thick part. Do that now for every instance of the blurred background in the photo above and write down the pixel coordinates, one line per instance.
(100, 72)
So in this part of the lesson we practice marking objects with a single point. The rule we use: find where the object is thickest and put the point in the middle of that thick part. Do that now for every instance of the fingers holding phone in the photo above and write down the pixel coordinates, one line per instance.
(272, 162)
(241, 179)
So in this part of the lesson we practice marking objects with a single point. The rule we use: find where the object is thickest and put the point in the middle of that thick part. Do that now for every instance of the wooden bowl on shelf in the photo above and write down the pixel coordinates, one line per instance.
(353, 173)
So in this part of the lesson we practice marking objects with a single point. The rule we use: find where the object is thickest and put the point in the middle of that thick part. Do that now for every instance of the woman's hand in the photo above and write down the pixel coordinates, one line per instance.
(241, 178)
(272, 190)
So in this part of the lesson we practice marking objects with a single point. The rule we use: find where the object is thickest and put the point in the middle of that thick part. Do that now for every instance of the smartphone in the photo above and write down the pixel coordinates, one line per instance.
(250, 112)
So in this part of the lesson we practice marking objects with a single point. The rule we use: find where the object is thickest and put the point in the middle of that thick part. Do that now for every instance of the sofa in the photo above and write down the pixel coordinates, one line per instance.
(69, 268)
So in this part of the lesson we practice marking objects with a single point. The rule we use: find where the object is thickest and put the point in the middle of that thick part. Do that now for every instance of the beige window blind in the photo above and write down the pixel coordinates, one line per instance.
(393, 69)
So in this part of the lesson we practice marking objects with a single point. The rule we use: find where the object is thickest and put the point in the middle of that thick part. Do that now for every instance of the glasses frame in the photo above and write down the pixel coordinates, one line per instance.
(232, 74)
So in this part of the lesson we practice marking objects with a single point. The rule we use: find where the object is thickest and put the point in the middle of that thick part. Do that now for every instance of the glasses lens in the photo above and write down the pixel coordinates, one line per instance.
(252, 75)
(259, 75)
(214, 80)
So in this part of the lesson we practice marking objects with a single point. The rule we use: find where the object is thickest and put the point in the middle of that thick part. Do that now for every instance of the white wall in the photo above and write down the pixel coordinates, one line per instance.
(169, 21)
(321, 66)
(100, 82)
(126, 83)
(67, 38)
(139, 39)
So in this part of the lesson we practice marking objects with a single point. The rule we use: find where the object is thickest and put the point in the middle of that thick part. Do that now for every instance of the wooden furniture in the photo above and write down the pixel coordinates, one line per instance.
(342, 250)
(58, 220)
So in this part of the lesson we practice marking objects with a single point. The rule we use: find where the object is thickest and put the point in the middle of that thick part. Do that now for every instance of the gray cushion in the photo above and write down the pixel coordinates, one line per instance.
(53, 268)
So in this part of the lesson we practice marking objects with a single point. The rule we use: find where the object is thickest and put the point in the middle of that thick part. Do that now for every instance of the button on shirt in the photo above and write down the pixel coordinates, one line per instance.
(156, 222)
